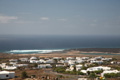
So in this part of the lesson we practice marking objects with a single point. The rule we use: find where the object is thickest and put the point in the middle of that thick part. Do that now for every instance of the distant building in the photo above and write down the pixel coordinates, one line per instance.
(70, 58)
(98, 68)
(10, 68)
(44, 66)
(6, 75)
(78, 67)
(60, 65)
(24, 59)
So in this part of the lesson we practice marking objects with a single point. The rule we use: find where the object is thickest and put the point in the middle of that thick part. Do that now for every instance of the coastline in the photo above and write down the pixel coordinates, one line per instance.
(70, 52)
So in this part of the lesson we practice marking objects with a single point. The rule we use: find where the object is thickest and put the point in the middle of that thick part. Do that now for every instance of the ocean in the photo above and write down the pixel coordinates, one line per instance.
(46, 44)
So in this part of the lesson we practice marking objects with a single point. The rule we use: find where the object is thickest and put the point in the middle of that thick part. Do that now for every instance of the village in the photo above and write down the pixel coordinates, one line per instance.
(57, 68)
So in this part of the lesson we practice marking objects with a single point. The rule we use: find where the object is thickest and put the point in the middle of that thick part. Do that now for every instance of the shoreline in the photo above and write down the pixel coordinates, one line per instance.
(80, 50)
(68, 53)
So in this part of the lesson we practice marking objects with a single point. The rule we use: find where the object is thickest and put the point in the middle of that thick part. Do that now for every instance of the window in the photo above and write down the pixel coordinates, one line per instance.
(7, 75)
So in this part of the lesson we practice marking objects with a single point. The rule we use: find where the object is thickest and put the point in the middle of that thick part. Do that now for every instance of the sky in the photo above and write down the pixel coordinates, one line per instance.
(59, 17)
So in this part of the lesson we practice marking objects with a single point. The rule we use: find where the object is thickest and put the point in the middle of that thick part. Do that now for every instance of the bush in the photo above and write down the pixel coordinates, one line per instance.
(92, 75)
(60, 76)
(112, 75)
(81, 73)
(84, 68)
(98, 72)
(24, 75)
(35, 65)
(60, 69)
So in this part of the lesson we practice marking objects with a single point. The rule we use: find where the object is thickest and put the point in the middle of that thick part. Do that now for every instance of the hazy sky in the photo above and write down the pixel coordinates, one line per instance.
(60, 17)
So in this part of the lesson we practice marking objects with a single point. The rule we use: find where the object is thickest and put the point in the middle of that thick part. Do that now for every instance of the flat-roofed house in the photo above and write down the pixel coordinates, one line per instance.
(6, 75)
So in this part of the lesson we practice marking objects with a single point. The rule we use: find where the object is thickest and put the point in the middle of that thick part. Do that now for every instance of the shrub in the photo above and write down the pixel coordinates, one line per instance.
(92, 75)
(60, 69)
(35, 65)
(81, 73)
(98, 72)
(112, 75)
(24, 75)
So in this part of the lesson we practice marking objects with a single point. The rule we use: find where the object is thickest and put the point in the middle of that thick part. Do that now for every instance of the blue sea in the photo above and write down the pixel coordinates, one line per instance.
(45, 44)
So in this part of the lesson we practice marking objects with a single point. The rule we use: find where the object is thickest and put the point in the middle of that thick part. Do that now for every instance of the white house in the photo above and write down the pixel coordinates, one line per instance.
(84, 71)
(113, 62)
(20, 65)
(78, 67)
(33, 58)
(70, 58)
(106, 59)
(13, 61)
(71, 62)
(78, 58)
(71, 68)
(60, 65)
(85, 58)
(58, 58)
(98, 58)
(98, 68)
(3, 65)
(61, 61)
(42, 61)
(79, 61)
(24, 59)
(44, 66)
(50, 61)
(10, 68)
(6, 75)
(96, 61)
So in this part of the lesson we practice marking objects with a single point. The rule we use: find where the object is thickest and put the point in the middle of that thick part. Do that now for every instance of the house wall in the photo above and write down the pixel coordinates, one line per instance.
(4, 76)
(11, 75)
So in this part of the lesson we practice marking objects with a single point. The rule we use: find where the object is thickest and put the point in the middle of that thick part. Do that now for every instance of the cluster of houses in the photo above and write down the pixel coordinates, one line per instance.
(59, 62)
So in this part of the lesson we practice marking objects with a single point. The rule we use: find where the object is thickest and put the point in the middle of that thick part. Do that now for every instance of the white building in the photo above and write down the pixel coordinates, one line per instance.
(6, 75)
(85, 58)
(70, 58)
(84, 71)
(78, 67)
(98, 68)
(106, 59)
(58, 58)
(98, 58)
(33, 58)
(71, 62)
(50, 61)
(71, 68)
(60, 65)
(10, 68)
(24, 59)
(95, 61)
(3, 65)
(42, 61)
(79, 61)
(20, 65)
(13, 60)
(44, 66)
(61, 61)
